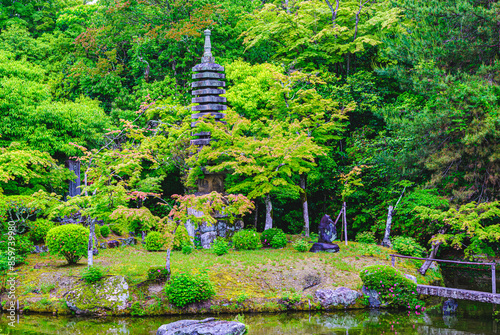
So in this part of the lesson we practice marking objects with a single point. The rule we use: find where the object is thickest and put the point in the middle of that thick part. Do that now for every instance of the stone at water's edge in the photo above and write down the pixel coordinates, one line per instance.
(342, 296)
(373, 297)
(108, 294)
(209, 326)
(328, 247)
(412, 278)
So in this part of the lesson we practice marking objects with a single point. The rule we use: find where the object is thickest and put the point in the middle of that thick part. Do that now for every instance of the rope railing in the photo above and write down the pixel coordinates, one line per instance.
(493, 266)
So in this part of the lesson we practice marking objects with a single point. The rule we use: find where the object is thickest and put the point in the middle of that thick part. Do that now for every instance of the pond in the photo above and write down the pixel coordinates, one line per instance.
(471, 319)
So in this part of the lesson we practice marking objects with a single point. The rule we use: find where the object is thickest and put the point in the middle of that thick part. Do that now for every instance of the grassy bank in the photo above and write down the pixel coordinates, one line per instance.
(259, 280)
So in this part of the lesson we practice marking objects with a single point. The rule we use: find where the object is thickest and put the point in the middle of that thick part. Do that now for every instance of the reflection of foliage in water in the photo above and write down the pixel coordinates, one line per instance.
(363, 322)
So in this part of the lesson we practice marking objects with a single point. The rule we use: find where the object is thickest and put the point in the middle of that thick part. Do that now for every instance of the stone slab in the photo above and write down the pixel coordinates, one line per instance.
(455, 293)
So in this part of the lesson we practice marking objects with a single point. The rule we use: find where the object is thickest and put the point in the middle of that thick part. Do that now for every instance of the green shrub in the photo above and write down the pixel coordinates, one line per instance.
(181, 238)
(154, 241)
(220, 247)
(92, 274)
(39, 230)
(115, 228)
(136, 309)
(97, 230)
(187, 249)
(408, 246)
(4, 262)
(279, 240)
(393, 287)
(301, 246)
(23, 247)
(158, 273)
(268, 235)
(246, 240)
(366, 237)
(186, 288)
(69, 241)
(105, 231)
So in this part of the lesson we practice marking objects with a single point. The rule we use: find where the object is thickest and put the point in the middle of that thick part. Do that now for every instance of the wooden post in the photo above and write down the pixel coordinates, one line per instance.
(493, 278)
(393, 261)
(345, 222)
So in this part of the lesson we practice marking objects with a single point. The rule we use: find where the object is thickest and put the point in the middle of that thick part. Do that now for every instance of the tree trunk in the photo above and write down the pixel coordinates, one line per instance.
(269, 209)
(90, 251)
(95, 249)
(432, 255)
(345, 221)
(305, 209)
(256, 219)
(386, 242)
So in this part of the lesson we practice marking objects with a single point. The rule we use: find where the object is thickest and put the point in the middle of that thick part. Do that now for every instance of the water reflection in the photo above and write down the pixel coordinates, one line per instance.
(342, 323)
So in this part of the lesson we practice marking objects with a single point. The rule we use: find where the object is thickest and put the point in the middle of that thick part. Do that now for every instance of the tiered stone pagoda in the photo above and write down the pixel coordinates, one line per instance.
(207, 88)
(206, 92)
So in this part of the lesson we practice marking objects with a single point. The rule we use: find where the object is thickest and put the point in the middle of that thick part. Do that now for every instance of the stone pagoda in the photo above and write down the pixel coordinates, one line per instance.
(206, 92)
(208, 86)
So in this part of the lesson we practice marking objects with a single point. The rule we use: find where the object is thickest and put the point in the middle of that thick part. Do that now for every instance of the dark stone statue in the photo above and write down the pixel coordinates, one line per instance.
(327, 230)
(328, 247)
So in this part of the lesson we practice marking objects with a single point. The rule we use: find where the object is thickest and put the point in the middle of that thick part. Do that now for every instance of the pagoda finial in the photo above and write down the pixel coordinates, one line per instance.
(207, 56)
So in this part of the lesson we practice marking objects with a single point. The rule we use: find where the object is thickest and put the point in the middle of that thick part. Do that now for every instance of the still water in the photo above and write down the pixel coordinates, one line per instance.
(471, 319)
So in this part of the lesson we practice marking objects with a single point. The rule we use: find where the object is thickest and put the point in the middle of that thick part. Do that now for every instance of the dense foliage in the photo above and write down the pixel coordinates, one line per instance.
(246, 240)
(366, 102)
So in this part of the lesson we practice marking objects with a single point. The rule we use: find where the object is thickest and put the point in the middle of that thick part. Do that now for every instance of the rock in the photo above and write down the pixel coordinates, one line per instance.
(310, 281)
(373, 297)
(40, 249)
(108, 294)
(103, 245)
(128, 241)
(450, 307)
(341, 296)
(327, 230)
(328, 247)
(207, 239)
(205, 228)
(412, 278)
(113, 244)
(209, 326)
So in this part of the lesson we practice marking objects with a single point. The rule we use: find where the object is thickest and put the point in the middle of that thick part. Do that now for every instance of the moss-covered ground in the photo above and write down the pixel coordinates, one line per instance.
(244, 280)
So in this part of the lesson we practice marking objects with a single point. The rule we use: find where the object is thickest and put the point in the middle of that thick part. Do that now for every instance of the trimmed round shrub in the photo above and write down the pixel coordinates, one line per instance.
(366, 237)
(301, 246)
(39, 230)
(186, 288)
(393, 288)
(246, 240)
(408, 246)
(220, 247)
(69, 241)
(105, 231)
(181, 238)
(267, 236)
(279, 240)
(154, 241)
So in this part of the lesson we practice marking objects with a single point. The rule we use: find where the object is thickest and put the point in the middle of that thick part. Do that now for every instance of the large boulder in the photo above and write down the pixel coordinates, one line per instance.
(327, 231)
(108, 294)
(341, 297)
(207, 239)
(373, 297)
(209, 326)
